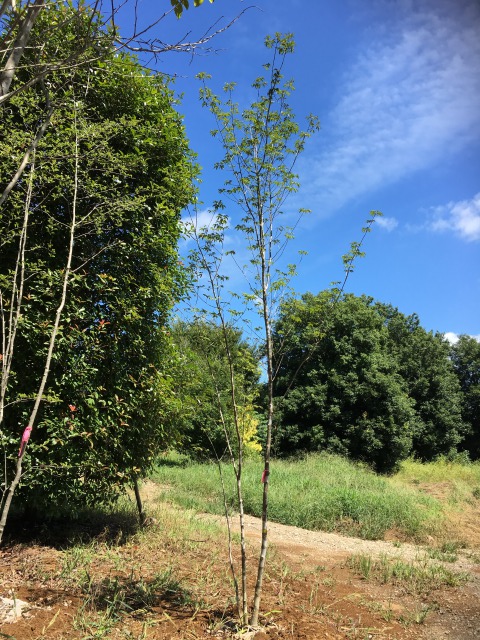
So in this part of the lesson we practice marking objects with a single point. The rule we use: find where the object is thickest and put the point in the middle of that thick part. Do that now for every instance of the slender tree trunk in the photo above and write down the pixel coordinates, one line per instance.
(31, 149)
(138, 499)
(9, 328)
(21, 41)
(265, 279)
(237, 464)
(4, 6)
(266, 475)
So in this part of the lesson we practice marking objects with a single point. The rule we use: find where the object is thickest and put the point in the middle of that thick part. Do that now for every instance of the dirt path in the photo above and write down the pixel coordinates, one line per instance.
(299, 543)
(310, 592)
(454, 614)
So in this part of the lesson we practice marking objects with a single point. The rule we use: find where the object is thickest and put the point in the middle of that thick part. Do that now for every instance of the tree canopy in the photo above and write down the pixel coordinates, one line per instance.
(465, 356)
(361, 379)
(426, 368)
(202, 383)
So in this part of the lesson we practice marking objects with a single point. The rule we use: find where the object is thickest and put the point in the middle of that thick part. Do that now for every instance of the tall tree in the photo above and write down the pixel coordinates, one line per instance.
(360, 378)
(104, 195)
(465, 356)
(19, 19)
(348, 396)
(425, 366)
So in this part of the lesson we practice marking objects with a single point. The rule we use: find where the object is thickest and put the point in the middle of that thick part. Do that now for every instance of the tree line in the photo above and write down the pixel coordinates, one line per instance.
(362, 379)
(353, 376)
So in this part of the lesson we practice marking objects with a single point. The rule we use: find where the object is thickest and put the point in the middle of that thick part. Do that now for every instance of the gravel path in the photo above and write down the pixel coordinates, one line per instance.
(319, 546)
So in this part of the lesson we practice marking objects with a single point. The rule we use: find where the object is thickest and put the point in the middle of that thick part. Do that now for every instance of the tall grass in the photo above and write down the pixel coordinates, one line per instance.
(457, 483)
(319, 492)
(440, 470)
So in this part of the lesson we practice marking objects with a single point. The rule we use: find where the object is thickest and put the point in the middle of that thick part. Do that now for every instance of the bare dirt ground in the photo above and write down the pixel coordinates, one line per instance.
(310, 591)
(452, 613)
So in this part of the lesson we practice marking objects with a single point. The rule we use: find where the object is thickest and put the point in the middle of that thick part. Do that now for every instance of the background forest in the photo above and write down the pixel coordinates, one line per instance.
(353, 376)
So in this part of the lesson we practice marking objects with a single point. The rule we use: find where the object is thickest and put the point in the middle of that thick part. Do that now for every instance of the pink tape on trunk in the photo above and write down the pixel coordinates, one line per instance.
(264, 475)
(25, 439)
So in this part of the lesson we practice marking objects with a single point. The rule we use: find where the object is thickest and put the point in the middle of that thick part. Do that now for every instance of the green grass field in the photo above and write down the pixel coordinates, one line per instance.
(325, 492)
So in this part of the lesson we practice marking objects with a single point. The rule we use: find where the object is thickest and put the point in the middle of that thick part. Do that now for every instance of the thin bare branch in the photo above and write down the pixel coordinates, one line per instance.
(26, 157)
(8, 72)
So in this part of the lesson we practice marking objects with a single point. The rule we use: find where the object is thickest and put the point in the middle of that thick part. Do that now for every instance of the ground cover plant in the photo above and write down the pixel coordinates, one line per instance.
(418, 578)
(457, 485)
(322, 492)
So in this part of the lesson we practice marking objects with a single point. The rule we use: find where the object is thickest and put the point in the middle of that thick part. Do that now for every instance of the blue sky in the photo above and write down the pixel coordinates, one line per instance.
(396, 85)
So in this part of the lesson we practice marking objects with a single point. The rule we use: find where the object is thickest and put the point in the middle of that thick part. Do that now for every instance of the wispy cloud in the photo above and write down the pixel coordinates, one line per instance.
(204, 219)
(462, 218)
(230, 264)
(411, 98)
(389, 224)
(201, 221)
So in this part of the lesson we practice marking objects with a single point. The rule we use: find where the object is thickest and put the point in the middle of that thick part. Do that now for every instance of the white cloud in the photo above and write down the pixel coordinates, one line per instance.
(453, 337)
(411, 99)
(203, 220)
(389, 224)
(463, 218)
(230, 263)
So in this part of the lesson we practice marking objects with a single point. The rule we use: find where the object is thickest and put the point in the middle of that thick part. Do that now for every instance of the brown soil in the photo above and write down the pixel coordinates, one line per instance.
(310, 591)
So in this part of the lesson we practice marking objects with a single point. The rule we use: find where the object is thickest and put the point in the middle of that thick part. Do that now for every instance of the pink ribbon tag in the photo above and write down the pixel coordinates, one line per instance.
(264, 475)
(25, 439)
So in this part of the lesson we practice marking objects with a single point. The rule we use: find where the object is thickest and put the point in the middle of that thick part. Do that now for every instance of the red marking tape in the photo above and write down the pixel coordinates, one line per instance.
(25, 439)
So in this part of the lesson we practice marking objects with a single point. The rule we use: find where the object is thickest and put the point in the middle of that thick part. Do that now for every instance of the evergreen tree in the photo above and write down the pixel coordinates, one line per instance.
(108, 181)
(339, 385)
(425, 366)
(359, 378)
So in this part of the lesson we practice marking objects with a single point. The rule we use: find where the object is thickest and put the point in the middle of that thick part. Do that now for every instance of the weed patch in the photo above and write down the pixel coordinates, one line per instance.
(415, 578)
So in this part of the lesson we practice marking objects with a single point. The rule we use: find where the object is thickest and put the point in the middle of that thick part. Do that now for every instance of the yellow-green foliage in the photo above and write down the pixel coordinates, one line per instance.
(249, 427)
(442, 470)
